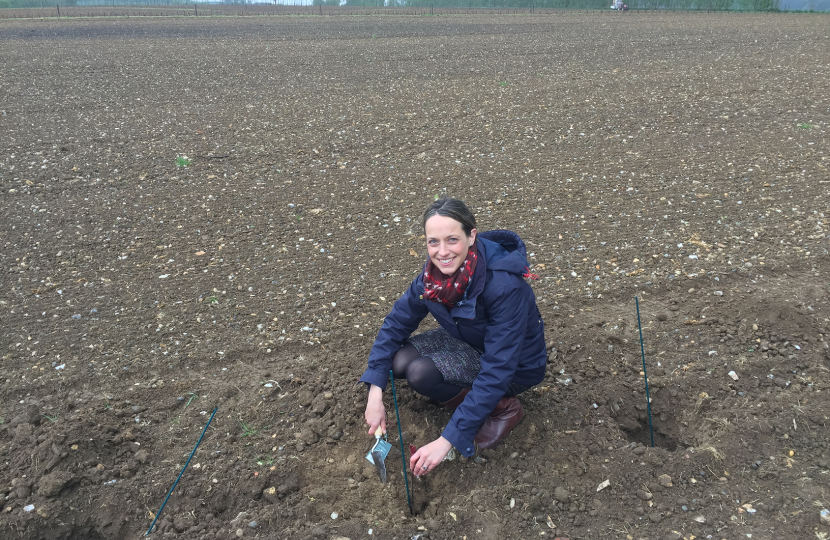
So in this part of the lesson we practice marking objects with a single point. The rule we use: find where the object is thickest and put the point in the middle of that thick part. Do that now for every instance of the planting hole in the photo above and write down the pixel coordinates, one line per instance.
(637, 431)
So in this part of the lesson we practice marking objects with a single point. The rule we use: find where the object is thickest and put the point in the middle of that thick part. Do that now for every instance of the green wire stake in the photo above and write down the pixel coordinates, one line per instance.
(400, 438)
(645, 374)
(181, 473)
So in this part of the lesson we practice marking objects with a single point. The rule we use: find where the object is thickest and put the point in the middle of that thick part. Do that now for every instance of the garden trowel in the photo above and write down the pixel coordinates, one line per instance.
(377, 454)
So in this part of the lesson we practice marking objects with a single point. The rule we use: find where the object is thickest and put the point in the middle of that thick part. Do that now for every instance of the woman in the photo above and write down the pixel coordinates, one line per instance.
(491, 344)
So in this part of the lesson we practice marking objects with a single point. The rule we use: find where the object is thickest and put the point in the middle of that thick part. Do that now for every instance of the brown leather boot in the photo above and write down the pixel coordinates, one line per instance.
(507, 415)
(456, 401)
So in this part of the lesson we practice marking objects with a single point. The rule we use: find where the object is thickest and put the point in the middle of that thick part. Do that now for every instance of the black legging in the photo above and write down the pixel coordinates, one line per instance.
(422, 375)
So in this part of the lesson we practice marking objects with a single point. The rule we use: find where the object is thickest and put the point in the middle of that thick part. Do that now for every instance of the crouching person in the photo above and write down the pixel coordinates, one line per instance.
(489, 349)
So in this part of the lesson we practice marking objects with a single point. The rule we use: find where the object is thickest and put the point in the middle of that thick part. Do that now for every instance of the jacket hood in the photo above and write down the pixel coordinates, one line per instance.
(504, 250)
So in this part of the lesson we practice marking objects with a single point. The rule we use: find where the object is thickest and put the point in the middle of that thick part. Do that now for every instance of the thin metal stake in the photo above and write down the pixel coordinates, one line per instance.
(181, 473)
(400, 438)
(645, 373)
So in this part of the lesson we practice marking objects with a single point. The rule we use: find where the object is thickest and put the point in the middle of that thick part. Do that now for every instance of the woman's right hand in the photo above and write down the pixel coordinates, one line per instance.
(375, 411)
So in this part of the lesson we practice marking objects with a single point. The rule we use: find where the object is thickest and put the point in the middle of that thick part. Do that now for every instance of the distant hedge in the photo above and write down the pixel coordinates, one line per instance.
(668, 5)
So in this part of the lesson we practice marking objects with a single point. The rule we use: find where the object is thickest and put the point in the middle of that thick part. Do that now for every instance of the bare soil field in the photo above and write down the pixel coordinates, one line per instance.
(219, 212)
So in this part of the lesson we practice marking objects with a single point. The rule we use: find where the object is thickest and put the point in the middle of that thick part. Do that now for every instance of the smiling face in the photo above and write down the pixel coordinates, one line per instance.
(447, 244)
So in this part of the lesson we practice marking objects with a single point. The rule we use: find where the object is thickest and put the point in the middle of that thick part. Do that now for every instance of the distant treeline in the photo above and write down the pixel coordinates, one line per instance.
(686, 5)
(33, 3)
(681, 5)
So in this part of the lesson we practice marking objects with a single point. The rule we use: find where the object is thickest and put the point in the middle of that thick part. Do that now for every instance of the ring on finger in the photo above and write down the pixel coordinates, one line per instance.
(425, 467)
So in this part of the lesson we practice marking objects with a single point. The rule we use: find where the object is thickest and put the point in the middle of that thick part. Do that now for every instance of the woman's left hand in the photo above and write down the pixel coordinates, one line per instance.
(428, 457)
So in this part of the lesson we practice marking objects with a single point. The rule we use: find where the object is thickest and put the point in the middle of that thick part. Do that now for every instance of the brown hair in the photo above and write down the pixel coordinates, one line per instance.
(452, 208)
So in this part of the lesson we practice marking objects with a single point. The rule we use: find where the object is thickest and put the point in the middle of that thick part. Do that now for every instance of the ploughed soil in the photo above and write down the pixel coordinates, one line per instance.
(219, 212)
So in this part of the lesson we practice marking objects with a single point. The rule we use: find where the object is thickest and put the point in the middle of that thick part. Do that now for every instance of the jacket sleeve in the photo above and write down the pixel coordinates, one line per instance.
(407, 313)
(503, 339)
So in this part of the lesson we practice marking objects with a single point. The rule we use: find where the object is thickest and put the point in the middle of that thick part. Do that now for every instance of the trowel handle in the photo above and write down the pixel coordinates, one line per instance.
(378, 432)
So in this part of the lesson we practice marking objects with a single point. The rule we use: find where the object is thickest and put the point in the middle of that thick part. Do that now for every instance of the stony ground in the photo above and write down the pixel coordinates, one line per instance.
(202, 213)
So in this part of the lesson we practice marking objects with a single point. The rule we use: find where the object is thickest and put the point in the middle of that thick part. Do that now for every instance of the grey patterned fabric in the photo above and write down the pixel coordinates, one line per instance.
(458, 362)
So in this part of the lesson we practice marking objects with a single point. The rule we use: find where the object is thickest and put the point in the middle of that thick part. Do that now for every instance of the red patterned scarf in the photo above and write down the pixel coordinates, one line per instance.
(449, 290)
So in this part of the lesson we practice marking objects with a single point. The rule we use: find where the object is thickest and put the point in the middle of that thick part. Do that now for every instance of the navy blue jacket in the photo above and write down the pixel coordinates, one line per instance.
(498, 315)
